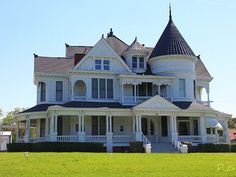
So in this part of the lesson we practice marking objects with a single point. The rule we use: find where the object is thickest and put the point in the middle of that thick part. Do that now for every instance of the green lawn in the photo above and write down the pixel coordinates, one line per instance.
(102, 164)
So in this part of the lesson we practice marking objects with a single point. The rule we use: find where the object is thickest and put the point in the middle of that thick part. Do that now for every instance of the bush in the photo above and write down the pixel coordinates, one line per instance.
(136, 146)
(214, 148)
(56, 147)
(19, 147)
(233, 147)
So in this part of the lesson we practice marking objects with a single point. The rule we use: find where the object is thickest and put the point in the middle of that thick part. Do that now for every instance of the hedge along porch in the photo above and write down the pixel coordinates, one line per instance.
(152, 121)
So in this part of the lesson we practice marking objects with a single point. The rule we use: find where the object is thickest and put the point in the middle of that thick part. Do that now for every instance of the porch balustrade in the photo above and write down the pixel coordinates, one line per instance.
(95, 138)
(190, 138)
(78, 98)
(68, 138)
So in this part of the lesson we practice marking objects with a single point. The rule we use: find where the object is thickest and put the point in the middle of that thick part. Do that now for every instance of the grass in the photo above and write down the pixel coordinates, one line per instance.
(102, 164)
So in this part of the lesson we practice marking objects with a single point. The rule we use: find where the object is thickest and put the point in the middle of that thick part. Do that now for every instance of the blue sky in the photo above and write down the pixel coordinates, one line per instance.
(43, 27)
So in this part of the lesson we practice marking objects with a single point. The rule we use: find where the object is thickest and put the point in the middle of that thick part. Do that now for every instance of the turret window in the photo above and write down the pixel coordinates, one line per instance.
(42, 86)
(138, 62)
(182, 88)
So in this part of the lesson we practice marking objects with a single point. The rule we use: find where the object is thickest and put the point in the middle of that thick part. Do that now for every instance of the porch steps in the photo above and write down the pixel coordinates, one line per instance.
(163, 148)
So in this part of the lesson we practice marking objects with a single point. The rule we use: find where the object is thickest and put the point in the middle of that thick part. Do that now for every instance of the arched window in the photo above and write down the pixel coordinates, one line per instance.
(42, 87)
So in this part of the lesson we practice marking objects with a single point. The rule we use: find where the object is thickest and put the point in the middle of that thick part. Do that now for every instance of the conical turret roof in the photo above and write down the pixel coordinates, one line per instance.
(171, 42)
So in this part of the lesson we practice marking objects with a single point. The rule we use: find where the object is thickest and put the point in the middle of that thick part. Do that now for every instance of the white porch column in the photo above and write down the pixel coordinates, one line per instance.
(133, 124)
(109, 134)
(53, 129)
(138, 133)
(172, 128)
(46, 127)
(38, 128)
(203, 129)
(81, 129)
(27, 130)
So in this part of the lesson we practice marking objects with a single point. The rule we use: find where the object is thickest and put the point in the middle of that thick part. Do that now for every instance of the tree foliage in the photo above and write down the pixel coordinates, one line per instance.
(10, 118)
(232, 123)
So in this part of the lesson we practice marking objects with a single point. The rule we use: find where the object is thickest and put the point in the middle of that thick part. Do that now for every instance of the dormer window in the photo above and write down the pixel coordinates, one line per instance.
(138, 62)
(134, 62)
(102, 64)
(141, 62)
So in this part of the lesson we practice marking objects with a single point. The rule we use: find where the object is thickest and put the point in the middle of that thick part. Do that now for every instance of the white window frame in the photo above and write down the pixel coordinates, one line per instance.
(106, 98)
(102, 65)
(138, 57)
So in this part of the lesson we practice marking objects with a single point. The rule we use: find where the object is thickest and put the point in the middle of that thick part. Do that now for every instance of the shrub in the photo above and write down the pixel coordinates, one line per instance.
(214, 147)
(136, 146)
(233, 147)
(57, 147)
(191, 148)
(18, 147)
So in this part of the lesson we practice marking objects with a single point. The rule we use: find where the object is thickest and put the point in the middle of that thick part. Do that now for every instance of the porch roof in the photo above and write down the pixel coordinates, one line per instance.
(77, 104)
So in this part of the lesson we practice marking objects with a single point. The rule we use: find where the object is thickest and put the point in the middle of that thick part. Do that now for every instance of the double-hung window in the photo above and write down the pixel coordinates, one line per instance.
(141, 62)
(134, 62)
(42, 86)
(102, 64)
(182, 89)
(106, 64)
(102, 88)
(59, 90)
(98, 64)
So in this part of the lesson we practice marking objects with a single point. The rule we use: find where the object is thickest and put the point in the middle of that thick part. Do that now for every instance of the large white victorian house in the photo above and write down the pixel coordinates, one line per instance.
(115, 93)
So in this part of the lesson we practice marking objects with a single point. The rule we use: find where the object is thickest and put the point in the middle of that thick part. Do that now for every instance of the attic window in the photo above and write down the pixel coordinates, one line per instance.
(98, 64)
(102, 64)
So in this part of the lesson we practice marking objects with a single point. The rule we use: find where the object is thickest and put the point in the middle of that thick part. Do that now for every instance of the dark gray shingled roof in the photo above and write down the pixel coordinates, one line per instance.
(171, 42)
(77, 104)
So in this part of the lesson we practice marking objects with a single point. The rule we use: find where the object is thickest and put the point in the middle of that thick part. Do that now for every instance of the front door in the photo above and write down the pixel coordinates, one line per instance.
(184, 128)
(59, 126)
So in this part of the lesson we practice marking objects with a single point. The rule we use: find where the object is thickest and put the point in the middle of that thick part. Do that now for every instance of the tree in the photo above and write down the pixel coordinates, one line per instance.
(232, 123)
(10, 118)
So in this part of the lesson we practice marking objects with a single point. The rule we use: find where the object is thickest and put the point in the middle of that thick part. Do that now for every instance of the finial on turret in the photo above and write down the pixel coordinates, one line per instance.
(170, 16)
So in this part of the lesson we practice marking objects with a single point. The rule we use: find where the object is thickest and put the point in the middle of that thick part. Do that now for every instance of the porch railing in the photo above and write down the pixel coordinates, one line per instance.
(190, 138)
(95, 138)
(79, 97)
(67, 138)
(122, 138)
(131, 99)
(145, 140)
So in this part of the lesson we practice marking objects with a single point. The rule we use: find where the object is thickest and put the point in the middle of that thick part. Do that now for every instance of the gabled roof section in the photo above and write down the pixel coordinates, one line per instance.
(136, 46)
(157, 102)
(171, 42)
(103, 48)
(52, 65)
(117, 44)
(201, 69)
